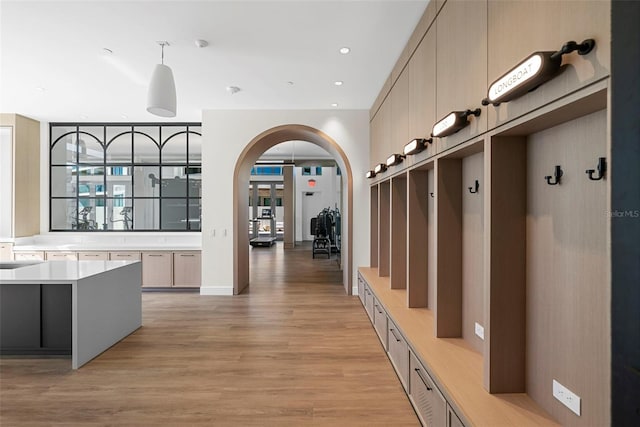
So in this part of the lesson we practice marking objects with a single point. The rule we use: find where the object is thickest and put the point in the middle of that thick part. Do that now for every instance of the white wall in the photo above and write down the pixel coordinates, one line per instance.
(225, 135)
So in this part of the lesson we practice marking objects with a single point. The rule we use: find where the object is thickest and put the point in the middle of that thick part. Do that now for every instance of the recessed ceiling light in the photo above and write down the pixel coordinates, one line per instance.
(84, 117)
(233, 89)
(338, 83)
(107, 51)
(40, 89)
(124, 116)
(335, 104)
(201, 43)
(344, 50)
(290, 83)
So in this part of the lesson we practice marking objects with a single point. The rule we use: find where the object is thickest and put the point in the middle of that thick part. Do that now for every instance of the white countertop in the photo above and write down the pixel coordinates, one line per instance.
(57, 271)
(110, 242)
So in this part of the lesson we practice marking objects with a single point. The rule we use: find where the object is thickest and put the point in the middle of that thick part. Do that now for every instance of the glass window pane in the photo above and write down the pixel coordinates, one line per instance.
(195, 214)
(119, 182)
(63, 181)
(146, 214)
(119, 140)
(145, 144)
(174, 182)
(120, 214)
(63, 214)
(174, 214)
(91, 181)
(90, 149)
(195, 185)
(64, 148)
(195, 145)
(91, 214)
(174, 149)
(146, 181)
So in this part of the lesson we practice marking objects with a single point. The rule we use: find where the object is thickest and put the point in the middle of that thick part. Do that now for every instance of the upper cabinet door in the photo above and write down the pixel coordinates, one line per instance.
(399, 114)
(461, 64)
(520, 28)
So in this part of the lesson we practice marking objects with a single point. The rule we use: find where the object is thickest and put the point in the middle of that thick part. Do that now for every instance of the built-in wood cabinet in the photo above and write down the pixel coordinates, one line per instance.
(398, 351)
(157, 269)
(502, 225)
(19, 176)
(187, 269)
(380, 322)
(430, 405)
(400, 113)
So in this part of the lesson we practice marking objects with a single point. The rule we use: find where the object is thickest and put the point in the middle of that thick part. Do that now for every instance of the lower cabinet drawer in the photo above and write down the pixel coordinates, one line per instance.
(61, 256)
(361, 289)
(368, 302)
(380, 322)
(425, 396)
(93, 256)
(124, 256)
(28, 256)
(398, 353)
(452, 418)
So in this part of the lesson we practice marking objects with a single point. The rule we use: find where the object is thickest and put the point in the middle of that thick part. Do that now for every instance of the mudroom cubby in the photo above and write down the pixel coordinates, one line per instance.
(384, 217)
(548, 301)
(459, 197)
(419, 234)
(373, 224)
(398, 232)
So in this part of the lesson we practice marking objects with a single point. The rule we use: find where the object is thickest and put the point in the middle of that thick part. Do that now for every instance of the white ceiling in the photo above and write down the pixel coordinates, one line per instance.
(53, 67)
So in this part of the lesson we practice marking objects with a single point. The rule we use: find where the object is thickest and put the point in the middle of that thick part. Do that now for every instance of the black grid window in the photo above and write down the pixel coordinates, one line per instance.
(125, 177)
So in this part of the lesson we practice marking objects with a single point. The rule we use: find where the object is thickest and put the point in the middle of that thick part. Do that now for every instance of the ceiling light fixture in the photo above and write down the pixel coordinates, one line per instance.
(107, 51)
(338, 83)
(345, 50)
(233, 89)
(201, 43)
(161, 98)
(335, 104)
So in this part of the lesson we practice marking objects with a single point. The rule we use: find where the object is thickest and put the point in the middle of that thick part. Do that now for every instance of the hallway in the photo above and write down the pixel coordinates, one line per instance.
(293, 350)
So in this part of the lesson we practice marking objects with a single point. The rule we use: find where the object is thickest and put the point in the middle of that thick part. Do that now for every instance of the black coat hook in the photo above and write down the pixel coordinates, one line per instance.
(474, 189)
(557, 175)
(431, 194)
(601, 168)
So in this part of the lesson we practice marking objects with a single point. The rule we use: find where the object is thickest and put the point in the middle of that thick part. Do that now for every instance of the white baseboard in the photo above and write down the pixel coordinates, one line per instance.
(216, 290)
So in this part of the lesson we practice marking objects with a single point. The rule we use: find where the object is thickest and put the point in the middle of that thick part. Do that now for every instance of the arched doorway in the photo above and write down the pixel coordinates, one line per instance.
(242, 171)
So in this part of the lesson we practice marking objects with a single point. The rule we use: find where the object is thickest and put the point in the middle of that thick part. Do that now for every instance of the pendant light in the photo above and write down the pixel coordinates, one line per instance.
(161, 98)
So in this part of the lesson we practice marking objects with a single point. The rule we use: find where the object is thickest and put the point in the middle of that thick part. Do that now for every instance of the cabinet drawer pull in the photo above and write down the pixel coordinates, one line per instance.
(378, 309)
(393, 332)
(90, 255)
(155, 255)
(424, 381)
(123, 255)
(187, 255)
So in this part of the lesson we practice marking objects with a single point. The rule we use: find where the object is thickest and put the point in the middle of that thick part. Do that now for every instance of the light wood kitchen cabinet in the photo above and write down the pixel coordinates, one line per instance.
(29, 256)
(6, 251)
(399, 115)
(93, 256)
(19, 176)
(187, 271)
(60, 256)
(157, 269)
(124, 256)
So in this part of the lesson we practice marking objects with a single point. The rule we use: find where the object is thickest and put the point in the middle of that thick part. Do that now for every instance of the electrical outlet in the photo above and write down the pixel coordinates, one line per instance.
(479, 331)
(566, 397)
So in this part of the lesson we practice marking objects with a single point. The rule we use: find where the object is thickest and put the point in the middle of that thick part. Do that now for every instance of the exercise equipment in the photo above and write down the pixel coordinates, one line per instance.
(326, 229)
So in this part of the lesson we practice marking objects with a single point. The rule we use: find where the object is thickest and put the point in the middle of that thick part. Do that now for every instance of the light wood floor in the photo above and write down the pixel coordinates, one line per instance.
(293, 351)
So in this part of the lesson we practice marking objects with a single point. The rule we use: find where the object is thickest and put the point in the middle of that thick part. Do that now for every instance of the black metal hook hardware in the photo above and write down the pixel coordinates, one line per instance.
(431, 194)
(583, 48)
(475, 112)
(601, 168)
(474, 189)
(556, 175)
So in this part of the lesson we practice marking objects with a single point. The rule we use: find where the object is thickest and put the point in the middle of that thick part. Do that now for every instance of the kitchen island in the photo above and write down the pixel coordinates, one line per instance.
(78, 308)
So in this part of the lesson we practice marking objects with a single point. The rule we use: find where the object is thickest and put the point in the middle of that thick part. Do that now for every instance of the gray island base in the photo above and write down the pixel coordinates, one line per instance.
(68, 307)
